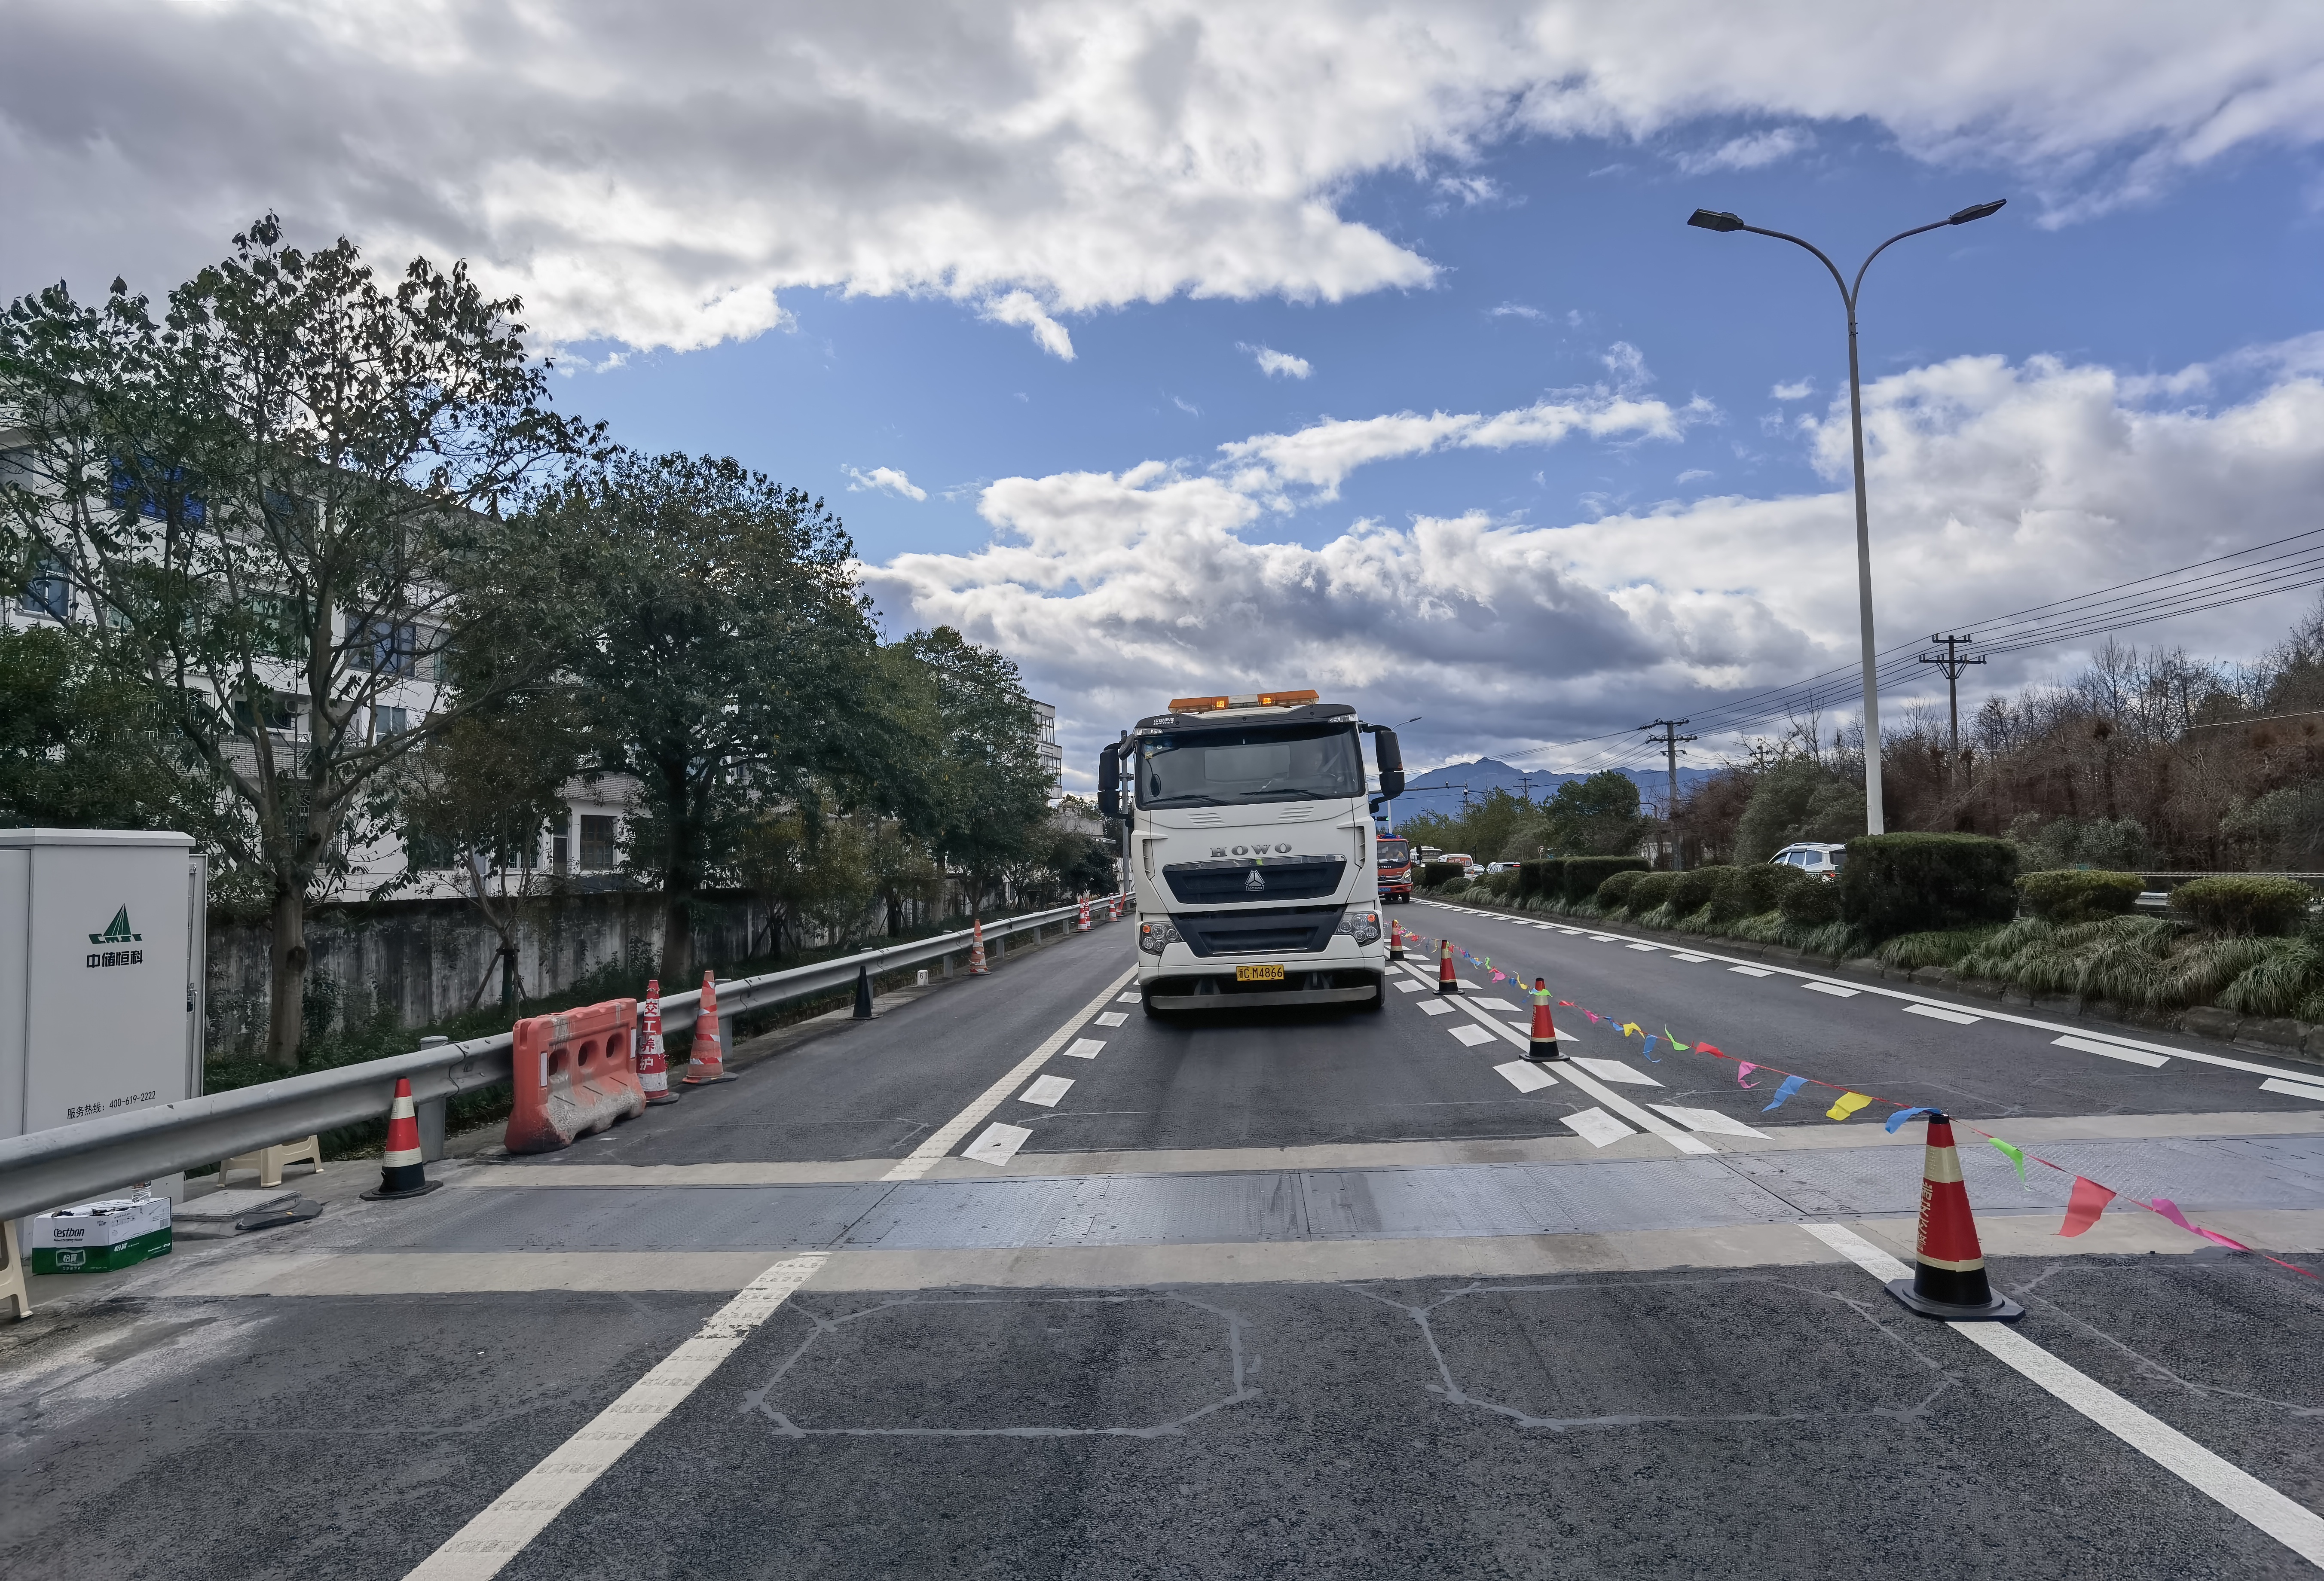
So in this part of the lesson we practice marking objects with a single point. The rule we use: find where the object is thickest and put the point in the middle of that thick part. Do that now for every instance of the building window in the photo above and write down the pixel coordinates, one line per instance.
(385, 647)
(48, 593)
(389, 722)
(597, 841)
(560, 848)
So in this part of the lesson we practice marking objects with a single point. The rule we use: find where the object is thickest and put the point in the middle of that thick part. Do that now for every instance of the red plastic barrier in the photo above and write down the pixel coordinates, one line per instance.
(574, 1074)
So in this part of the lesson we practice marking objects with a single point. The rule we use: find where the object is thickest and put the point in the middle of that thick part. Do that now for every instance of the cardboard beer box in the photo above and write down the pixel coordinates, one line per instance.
(98, 1236)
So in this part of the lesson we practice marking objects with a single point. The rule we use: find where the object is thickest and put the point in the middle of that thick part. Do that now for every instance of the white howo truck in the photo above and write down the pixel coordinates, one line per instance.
(1250, 851)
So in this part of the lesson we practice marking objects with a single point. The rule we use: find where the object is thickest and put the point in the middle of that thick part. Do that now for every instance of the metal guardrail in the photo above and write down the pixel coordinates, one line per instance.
(70, 1163)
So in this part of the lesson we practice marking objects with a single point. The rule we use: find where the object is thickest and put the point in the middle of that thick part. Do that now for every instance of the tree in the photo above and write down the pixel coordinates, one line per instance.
(278, 504)
(985, 800)
(1798, 799)
(727, 665)
(1595, 816)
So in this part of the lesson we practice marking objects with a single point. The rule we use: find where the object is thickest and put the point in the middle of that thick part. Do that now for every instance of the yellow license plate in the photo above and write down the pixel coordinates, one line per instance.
(1259, 974)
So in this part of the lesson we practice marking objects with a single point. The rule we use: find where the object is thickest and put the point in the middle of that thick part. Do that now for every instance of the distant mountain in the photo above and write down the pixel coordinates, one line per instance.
(1439, 790)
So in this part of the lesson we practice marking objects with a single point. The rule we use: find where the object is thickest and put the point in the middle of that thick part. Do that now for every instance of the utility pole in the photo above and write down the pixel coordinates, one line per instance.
(1671, 738)
(1952, 663)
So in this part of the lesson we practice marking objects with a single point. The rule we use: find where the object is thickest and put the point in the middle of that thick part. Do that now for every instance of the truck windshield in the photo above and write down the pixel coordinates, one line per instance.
(1392, 853)
(1249, 763)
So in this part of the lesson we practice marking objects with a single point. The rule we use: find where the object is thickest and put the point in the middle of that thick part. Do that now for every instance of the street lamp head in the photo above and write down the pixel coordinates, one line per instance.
(1976, 211)
(1712, 219)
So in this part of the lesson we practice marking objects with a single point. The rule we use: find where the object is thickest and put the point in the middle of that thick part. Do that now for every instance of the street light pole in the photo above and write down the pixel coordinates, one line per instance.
(1849, 293)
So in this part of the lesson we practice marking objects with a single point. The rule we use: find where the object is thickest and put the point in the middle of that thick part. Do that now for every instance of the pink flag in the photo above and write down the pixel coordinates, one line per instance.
(2170, 1210)
(2082, 1209)
(1744, 1068)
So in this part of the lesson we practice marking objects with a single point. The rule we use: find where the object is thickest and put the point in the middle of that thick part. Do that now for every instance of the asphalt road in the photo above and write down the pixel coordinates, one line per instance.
(1274, 1295)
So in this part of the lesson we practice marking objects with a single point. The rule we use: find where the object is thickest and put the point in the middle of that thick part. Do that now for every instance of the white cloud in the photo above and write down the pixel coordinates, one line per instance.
(1188, 407)
(1799, 391)
(883, 480)
(1749, 152)
(1275, 363)
(1472, 191)
(655, 175)
(1022, 307)
(1994, 487)
(1517, 310)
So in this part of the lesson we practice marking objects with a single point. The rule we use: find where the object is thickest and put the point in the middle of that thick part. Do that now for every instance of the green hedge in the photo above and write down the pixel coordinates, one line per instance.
(1914, 883)
(1580, 878)
(1453, 886)
(2245, 903)
(1651, 891)
(1695, 888)
(1614, 892)
(1811, 903)
(1757, 888)
(1436, 874)
(1542, 877)
(2066, 896)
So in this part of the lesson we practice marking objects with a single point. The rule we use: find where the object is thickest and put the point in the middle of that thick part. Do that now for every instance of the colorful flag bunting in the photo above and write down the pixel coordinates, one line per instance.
(1744, 1068)
(2013, 1154)
(1792, 1084)
(1673, 1042)
(2170, 1210)
(1704, 1048)
(1849, 1102)
(1900, 1116)
(2082, 1209)
(1647, 1049)
(1631, 1029)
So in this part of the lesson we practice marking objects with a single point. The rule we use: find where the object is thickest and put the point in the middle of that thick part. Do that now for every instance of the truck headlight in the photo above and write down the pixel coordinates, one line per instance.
(1362, 926)
(1152, 936)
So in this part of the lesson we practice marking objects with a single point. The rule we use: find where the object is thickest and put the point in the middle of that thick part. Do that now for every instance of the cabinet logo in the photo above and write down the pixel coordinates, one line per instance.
(117, 935)
(117, 932)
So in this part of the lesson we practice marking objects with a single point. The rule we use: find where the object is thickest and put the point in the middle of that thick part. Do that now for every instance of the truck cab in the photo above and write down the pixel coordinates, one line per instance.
(1251, 858)
(1394, 854)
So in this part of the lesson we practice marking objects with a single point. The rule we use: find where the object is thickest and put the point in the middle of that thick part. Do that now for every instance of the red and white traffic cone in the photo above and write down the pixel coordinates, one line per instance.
(1446, 983)
(1948, 1267)
(653, 1064)
(401, 1173)
(708, 1062)
(1395, 940)
(976, 967)
(1113, 908)
(1543, 1044)
(1082, 926)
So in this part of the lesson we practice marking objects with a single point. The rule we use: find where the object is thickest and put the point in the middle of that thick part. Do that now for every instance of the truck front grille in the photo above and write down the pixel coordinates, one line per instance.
(1296, 930)
(1274, 878)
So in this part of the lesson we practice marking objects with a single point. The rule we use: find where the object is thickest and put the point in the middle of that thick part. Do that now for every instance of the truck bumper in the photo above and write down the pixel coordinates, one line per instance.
(1347, 973)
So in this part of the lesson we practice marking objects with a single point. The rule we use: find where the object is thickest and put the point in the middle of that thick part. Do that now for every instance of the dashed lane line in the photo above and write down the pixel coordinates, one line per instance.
(1940, 1013)
(1048, 1091)
(2295, 1526)
(2293, 1089)
(2091, 1045)
(1834, 989)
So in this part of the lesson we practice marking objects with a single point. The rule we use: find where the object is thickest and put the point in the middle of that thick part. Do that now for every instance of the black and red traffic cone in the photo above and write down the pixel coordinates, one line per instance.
(1446, 983)
(1948, 1278)
(1543, 1044)
(401, 1173)
(1395, 940)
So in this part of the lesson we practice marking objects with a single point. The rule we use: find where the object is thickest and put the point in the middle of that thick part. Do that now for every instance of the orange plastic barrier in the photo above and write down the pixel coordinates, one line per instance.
(574, 1074)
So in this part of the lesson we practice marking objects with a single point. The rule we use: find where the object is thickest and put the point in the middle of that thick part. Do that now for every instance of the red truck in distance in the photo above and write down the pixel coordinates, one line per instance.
(1394, 854)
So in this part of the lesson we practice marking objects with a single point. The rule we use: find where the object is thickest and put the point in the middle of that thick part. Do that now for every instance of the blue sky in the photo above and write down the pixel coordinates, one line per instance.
(1536, 484)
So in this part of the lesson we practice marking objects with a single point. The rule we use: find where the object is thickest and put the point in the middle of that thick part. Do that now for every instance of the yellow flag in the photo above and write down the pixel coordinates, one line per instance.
(1631, 1029)
(1849, 1102)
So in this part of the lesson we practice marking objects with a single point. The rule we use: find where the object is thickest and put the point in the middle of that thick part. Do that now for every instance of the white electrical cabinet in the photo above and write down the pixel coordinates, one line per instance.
(102, 935)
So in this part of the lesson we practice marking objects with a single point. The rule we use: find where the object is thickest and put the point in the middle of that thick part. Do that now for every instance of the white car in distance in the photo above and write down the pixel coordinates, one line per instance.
(1817, 858)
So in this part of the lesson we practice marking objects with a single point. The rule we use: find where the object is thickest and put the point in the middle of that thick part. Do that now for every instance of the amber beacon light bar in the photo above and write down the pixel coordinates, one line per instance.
(1250, 700)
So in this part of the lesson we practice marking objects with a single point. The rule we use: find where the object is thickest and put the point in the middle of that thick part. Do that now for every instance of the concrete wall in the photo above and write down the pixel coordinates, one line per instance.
(423, 959)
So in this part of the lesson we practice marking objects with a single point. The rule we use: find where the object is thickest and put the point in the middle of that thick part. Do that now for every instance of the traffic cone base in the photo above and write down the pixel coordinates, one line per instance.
(400, 1171)
(1949, 1279)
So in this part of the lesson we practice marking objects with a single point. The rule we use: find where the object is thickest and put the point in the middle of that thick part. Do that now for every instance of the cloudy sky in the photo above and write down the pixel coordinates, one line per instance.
(1181, 346)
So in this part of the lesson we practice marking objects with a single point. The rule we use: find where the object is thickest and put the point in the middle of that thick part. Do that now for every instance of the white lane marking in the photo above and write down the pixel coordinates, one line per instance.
(2091, 1045)
(1615, 1070)
(1752, 971)
(1690, 960)
(1409, 986)
(1496, 1004)
(1525, 1077)
(1603, 938)
(502, 1529)
(1641, 946)
(2292, 1089)
(999, 1143)
(1434, 1008)
(1130, 998)
(1709, 1120)
(1834, 989)
(1681, 1141)
(1082, 1048)
(1113, 1018)
(947, 1137)
(1596, 1127)
(1470, 1035)
(1940, 1013)
(2295, 1526)
(1046, 1091)
(1571, 933)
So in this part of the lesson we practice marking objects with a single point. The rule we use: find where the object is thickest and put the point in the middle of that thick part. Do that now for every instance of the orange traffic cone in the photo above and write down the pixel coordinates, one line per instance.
(1446, 983)
(1948, 1270)
(976, 967)
(653, 1064)
(401, 1173)
(1544, 1045)
(1395, 940)
(709, 1060)
(1082, 926)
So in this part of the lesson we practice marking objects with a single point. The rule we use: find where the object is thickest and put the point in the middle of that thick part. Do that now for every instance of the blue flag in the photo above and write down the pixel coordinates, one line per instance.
(1792, 1084)
(1900, 1116)
(1647, 1049)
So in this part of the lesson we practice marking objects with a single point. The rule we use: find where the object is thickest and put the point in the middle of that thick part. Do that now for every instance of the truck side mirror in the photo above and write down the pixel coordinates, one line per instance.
(1108, 783)
(1391, 763)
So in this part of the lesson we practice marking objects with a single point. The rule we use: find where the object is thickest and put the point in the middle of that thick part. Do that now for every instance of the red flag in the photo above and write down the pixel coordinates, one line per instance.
(2082, 1210)
(1713, 1049)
